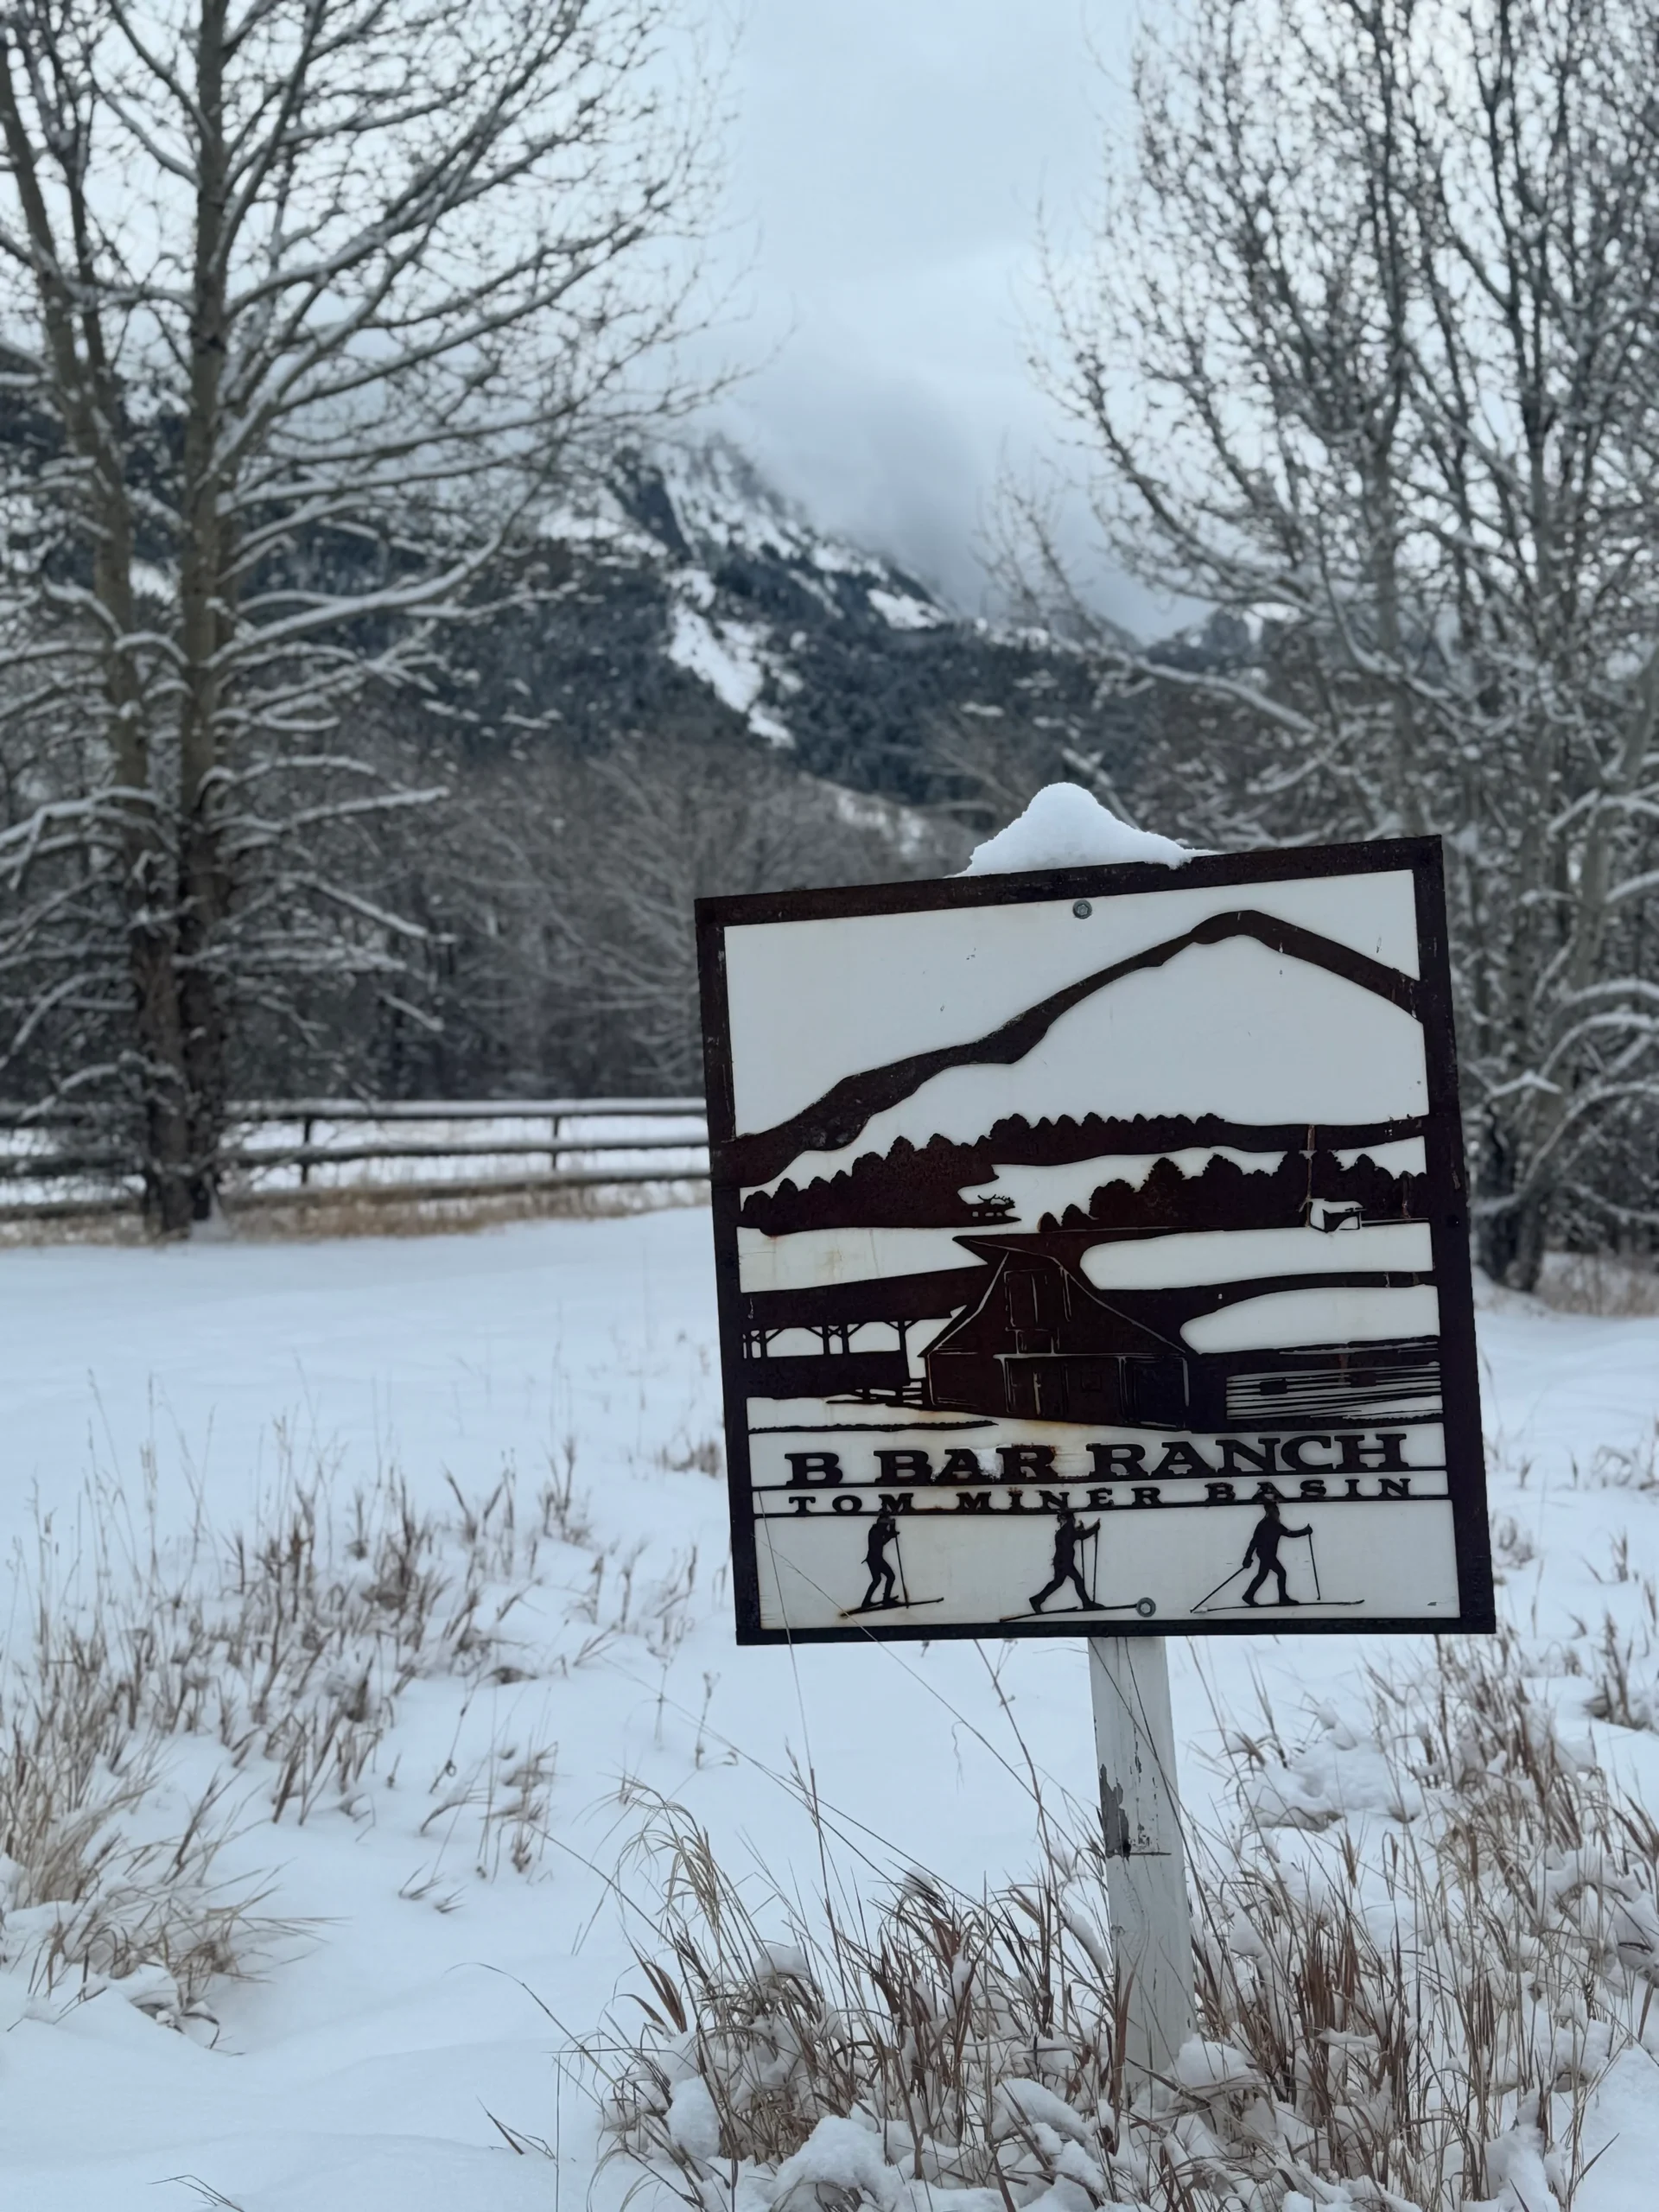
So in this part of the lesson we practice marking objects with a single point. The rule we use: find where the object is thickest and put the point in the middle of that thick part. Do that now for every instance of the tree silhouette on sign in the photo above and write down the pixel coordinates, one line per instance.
(929, 1185)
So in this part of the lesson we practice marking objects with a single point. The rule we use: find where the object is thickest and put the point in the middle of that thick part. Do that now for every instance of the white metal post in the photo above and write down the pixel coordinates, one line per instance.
(1141, 1814)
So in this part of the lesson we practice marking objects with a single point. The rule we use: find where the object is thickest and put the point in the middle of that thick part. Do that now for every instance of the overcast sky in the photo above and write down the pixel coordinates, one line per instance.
(890, 157)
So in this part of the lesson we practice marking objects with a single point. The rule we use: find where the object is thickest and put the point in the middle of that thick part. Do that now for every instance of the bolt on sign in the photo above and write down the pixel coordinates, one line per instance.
(1092, 1249)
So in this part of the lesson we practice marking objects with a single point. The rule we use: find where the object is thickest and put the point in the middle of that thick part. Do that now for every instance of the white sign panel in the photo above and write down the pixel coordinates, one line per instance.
(1093, 1252)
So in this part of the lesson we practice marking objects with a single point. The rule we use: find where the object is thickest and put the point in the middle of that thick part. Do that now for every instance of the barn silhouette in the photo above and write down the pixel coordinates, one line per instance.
(1026, 1336)
(1042, 1342)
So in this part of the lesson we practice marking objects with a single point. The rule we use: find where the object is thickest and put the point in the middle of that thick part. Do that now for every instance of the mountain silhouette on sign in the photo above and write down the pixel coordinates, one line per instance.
(840, 1116)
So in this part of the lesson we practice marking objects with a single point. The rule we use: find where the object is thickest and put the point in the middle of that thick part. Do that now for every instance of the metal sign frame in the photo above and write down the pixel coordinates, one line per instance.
(732, 1164)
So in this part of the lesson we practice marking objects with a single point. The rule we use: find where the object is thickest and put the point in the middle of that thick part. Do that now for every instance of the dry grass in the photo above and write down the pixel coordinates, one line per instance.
(1599, 1282)
(920, 2012)
(1406, 2009)
(1623, 1467)
(1473, 1972)
(270, 1665)
(345, 1215)
(25, 1231)
(1623, 1674)
(342, 1214)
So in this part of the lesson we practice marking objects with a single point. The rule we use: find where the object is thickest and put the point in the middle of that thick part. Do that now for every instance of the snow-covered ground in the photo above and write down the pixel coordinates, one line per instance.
(428, 1986)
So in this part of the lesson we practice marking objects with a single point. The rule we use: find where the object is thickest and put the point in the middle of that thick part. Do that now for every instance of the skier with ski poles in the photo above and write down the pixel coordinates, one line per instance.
(885, 1532)
(1070, 1533)
(1264, 1549)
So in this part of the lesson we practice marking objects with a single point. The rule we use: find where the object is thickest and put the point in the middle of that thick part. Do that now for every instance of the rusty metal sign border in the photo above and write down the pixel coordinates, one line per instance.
(1466, 1477)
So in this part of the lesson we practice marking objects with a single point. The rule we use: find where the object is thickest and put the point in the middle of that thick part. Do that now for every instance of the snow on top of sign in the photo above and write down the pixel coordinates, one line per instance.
(1066, 826)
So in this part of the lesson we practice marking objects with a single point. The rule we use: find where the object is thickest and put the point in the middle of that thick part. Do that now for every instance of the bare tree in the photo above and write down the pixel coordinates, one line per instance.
(571, 882)
(1369, 351)
(306, 306)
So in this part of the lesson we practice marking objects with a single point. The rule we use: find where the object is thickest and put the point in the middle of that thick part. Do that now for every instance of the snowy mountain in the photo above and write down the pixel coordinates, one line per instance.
(692, 600)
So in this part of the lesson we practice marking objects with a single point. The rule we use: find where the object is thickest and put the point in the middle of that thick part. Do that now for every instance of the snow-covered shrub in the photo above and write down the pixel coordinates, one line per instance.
(950, 2034)
(1416, 1955)
(1462, 1955)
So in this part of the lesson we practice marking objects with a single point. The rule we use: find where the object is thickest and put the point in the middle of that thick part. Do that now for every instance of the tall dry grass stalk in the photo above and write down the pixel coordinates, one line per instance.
(1403, 2005)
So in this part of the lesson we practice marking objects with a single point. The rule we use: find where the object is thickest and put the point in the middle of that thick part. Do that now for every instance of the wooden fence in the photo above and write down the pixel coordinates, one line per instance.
(312, 1151)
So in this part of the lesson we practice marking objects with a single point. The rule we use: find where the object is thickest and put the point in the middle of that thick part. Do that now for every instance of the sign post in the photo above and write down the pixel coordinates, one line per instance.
(1140, 1823)
(1092, 1252)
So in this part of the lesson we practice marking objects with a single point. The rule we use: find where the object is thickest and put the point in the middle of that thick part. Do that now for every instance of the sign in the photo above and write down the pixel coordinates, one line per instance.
(1092, 1250)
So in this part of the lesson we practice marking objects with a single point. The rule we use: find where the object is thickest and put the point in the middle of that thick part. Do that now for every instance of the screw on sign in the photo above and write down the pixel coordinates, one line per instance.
(1092, 1256)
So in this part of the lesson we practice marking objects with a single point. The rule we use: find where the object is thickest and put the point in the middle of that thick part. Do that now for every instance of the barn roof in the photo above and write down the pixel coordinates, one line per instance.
(1062, 1248)
(1164, 1313)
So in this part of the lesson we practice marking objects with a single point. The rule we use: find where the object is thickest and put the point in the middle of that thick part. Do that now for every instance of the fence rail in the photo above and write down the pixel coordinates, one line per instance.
(312, 1151)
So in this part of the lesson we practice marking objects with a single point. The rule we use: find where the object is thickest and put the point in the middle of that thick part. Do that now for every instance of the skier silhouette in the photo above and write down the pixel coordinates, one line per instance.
(1067, 1536)
(1263, 1547)
(883, 1534)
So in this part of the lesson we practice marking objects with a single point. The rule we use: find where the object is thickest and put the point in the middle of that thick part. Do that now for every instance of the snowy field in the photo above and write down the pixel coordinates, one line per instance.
(438, 1932)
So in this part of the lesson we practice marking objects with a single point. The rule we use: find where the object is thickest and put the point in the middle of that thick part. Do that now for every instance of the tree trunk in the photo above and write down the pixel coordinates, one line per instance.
(205, 590)
(1510, 1240)
(204, 1031)
(152, 969)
